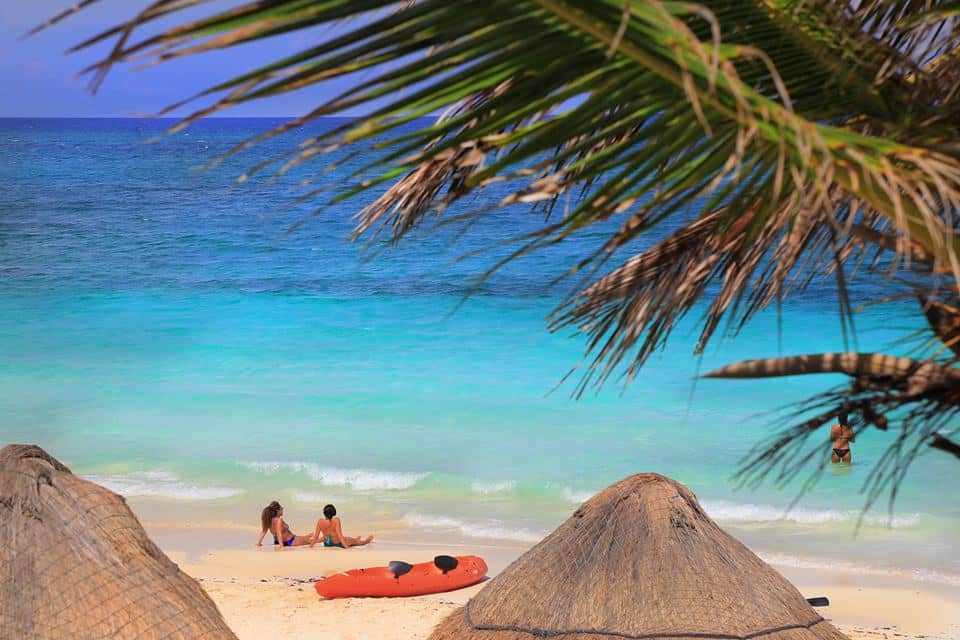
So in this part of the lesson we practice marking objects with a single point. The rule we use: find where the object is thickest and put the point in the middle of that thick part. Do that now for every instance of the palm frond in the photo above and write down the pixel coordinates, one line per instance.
(944, 320)
(780, 142)
(945, 444)
(914, 376)
(916, 421)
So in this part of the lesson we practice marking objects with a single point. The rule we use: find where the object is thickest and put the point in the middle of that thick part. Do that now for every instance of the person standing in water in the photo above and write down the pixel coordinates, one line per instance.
(842, 435)
(329, 530)
(271, 519)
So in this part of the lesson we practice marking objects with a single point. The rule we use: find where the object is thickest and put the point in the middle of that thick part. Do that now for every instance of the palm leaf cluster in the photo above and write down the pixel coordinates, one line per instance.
(779, 141)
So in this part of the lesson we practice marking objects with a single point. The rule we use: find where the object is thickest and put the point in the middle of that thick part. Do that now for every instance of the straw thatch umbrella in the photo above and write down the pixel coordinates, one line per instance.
(640, 559)
(76, 564)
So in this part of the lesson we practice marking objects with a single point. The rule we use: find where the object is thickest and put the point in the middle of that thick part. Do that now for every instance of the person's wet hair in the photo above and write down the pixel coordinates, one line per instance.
(842, 419)
(329, 511)
(269, 512)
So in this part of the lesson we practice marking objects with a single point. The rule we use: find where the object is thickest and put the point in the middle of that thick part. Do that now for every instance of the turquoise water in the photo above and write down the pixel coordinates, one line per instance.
(161, 336)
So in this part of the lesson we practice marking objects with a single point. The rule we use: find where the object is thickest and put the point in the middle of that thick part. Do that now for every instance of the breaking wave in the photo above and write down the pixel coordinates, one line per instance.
(160, 484)
(357, 479)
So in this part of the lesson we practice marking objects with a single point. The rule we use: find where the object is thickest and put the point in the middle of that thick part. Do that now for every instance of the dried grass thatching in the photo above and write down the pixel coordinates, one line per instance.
(75, 564)
(640, 559)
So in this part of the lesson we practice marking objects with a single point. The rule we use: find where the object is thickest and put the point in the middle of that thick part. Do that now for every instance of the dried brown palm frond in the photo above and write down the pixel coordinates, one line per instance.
(408, 200)
(944, 319)
(945, 444)
(919, 397)
(917, 400)
(912, 376)
(756, 258)
(916, 421)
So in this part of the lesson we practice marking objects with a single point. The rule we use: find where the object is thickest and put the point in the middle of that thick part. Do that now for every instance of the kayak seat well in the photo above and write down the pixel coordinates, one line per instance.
(446, 563)
(399, 568)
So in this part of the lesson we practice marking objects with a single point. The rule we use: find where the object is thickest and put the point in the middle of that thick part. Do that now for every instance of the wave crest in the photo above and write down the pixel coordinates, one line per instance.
(160, 484)
(492, 529)
(576, 497)
(826, 564)
(486, 488)
(749, 512)
(736, 512)
(357, 479)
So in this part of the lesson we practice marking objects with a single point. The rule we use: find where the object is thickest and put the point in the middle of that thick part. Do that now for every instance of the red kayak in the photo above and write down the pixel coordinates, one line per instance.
(445, 573)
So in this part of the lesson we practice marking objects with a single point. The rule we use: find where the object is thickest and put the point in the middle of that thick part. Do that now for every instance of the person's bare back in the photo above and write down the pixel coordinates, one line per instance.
(841, 434)
(330, 533)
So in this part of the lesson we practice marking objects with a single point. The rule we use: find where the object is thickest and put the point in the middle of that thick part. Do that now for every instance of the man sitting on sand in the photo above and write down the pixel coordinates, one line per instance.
(328, 529)
(842, 435)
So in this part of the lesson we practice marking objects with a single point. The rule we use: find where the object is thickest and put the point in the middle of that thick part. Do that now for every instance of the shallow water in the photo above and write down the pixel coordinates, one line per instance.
(163, 337)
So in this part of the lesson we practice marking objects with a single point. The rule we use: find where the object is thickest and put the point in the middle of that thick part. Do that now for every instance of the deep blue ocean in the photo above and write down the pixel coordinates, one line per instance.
(163, 334)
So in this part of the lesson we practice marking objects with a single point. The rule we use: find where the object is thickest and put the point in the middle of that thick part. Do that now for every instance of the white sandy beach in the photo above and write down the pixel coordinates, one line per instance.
(263, 592)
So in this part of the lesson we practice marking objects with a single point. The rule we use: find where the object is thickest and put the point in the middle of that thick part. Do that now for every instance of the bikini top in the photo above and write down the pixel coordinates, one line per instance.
(286, 529)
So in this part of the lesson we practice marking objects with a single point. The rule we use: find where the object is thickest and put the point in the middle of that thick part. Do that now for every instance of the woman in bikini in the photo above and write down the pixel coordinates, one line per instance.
(329, 530)
(271, 519)
(842, 435)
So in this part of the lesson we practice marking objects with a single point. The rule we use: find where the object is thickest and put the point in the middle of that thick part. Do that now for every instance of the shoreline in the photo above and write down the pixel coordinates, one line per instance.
(892, 554)
(261, 590)
(916, 542)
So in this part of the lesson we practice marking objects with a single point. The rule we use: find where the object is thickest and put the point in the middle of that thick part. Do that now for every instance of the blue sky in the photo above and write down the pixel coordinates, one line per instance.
(42, 82)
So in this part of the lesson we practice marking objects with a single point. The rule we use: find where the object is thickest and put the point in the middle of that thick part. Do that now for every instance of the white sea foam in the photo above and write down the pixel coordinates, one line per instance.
(492, 529)
(745, 512)
(484, 488)
(576, 497)
(357, 479)
(160, 484)
(824, 564)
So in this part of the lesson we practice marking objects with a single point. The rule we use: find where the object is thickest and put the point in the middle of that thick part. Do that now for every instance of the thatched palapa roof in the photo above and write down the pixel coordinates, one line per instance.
(640, 560)
(75, 564)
